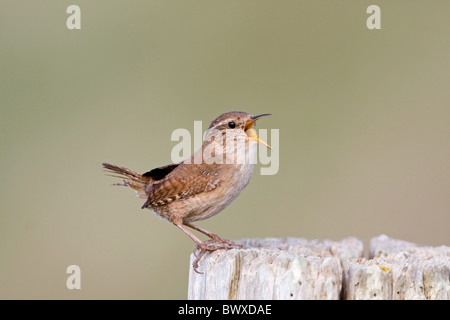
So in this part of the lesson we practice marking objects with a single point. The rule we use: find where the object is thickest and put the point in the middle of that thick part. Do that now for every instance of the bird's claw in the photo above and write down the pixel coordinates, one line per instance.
(215, 243)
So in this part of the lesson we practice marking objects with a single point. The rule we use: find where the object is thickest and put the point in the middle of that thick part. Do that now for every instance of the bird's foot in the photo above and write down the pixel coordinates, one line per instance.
(216, 243)
(216, 238)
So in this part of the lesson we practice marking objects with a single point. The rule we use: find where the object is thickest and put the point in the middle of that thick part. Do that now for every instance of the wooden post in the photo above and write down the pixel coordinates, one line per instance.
(399, 270)
(293, 268)
(274, 269)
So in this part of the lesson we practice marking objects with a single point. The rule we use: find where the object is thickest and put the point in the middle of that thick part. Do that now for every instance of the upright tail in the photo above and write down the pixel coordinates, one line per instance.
(130, 178)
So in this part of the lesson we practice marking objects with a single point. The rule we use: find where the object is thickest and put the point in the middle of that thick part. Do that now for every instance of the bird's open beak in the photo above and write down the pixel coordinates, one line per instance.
(250, 131)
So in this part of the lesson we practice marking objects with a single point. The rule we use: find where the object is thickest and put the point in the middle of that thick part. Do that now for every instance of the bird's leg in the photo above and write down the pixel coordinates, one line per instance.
(202, 246)
(214, 237)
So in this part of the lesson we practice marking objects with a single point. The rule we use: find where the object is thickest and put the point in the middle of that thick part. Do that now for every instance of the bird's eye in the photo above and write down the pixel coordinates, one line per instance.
(232, 125)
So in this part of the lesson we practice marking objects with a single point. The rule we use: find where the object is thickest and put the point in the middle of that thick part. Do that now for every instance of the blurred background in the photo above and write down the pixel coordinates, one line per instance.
(363, 117)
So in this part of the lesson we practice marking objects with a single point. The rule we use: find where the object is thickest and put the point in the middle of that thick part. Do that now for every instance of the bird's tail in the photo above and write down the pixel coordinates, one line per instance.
(130, 178)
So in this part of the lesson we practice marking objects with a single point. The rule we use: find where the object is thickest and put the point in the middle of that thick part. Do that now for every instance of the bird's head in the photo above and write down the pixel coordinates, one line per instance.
(236, 126)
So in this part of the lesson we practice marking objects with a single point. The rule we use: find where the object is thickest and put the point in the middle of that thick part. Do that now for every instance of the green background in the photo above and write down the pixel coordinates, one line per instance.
(363, 117)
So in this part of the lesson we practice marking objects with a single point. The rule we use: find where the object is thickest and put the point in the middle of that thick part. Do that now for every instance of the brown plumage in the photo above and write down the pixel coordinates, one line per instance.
(190, 191)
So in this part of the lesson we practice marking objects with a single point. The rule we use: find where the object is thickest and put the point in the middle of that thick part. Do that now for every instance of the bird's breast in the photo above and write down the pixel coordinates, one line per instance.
(233, 179)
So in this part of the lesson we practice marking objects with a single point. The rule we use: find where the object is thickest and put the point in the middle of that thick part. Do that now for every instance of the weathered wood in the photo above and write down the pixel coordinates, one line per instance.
(274, 269)
(399, 270)
(293, 268)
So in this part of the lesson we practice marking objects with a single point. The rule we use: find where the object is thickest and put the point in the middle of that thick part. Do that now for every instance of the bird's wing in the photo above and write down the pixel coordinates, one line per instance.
(183, 181)
(161, 172)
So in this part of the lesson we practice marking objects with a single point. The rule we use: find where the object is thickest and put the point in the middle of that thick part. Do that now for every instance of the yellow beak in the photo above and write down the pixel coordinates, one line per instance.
(250, 131)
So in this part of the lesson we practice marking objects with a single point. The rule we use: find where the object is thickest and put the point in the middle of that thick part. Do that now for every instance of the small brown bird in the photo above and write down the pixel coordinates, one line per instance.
(203, 185)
